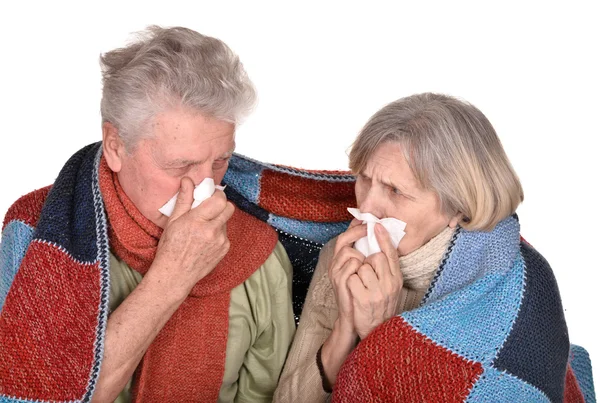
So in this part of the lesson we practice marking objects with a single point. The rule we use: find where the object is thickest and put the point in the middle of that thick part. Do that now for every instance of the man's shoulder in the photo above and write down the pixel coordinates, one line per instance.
(27, 208)
(251, 223)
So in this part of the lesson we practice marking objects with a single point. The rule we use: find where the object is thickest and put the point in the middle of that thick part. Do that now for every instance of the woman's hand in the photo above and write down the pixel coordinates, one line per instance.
(375, 288)
(343, 338)
(346, 261)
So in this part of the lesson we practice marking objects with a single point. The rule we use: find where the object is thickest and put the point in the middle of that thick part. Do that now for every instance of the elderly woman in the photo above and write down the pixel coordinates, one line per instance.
(475, 310)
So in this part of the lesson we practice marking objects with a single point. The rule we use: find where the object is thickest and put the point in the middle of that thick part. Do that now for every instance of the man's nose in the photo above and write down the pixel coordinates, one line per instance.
(200, 172)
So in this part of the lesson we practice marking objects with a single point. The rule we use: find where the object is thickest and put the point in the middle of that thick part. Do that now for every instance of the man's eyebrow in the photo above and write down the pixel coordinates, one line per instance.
(180, 162)
(227, 154)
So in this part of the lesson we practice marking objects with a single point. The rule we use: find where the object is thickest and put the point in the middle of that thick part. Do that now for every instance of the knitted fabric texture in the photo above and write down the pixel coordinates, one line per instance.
(494, 333)
(419, 267)
(55, 287)
(307, 208)
(192, 344)
(468, 341)
(490, 328)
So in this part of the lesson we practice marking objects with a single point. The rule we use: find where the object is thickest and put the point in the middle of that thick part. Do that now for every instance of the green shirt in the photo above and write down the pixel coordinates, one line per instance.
(261, 327)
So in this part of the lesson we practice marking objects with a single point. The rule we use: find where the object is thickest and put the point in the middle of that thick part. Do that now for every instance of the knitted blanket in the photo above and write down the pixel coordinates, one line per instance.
(54, 266)
(491, 322)
(490, 329)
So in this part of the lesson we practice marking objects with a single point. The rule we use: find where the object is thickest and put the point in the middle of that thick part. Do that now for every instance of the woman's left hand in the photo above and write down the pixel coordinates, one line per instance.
(375, 288)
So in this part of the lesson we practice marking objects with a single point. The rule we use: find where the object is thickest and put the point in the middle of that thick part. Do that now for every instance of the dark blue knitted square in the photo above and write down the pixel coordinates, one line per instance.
(537, 348)
(68, 218)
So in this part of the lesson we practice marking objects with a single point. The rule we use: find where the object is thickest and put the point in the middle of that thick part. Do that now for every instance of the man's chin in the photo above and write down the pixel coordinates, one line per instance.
(160, 220)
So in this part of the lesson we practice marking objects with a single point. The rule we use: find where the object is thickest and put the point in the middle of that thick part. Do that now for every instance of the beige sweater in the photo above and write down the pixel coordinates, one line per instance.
(301, 380)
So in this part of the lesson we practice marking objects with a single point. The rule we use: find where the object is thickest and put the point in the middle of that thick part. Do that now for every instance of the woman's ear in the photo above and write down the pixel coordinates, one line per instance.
(113, 147)
(455, 220)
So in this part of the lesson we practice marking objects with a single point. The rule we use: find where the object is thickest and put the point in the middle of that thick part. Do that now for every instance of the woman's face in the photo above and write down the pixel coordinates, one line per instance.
(387, 188)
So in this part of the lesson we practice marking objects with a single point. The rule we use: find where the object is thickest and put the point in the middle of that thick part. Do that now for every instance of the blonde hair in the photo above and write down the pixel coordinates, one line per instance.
(453, 150)
(167, 68)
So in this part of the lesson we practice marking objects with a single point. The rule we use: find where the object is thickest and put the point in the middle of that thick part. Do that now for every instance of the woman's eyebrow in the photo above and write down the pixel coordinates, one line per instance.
(403, 189)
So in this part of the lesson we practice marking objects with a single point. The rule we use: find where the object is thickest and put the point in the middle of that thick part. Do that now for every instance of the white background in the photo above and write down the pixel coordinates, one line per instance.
(321, 70)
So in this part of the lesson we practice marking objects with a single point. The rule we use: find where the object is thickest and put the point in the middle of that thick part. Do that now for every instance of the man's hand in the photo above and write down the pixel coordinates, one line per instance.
(194, 240)
(193, 243)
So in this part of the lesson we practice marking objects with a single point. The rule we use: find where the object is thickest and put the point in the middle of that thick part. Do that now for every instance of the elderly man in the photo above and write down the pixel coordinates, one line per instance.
(105, 298)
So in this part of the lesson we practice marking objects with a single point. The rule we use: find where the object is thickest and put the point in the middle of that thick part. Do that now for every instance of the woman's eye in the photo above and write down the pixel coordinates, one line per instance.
(362, 178)
(396, 191)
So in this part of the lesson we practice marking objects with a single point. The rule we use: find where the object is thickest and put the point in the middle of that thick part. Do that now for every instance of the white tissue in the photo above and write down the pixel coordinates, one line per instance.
(369, 245)
(203, 191)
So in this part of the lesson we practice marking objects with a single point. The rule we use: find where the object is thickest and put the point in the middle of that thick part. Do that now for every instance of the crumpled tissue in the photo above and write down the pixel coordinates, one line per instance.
(369, 245)
(202, 191)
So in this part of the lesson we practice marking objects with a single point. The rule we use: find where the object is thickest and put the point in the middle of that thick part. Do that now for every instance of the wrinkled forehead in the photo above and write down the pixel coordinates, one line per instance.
(191, 137)
(388, 164)
(177, 154)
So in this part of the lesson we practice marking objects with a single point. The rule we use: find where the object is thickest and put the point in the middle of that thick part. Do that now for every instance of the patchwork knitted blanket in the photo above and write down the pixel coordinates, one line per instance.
(54, 266)
(491, 327)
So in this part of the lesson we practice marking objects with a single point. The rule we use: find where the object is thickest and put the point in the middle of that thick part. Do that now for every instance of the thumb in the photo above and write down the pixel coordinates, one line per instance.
(185, 198)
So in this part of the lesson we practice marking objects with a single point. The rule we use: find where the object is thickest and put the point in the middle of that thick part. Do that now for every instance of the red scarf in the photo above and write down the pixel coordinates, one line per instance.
(186, 361)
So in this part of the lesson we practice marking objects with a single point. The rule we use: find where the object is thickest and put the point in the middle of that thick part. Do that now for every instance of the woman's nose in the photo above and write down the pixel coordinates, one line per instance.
(372, 203)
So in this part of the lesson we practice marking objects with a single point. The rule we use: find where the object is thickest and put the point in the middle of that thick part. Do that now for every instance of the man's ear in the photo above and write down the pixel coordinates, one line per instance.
(113, 147)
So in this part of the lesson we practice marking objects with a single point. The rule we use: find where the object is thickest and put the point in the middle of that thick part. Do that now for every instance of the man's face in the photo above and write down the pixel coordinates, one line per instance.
(184, 143)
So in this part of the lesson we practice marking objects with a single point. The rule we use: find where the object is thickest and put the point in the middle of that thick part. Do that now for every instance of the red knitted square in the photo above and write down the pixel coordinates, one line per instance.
(304, 198)
(48, 327)
(395, 363)
(573, 393)
(27, 208)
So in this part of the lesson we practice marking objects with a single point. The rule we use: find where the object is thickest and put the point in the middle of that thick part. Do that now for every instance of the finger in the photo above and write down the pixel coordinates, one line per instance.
(225, 215)
(349, 268)
(381, 265)
(368, 277)
(348, 252)
(350, 236)
(388, 249)
(342, 293)
(212, 207)
(341, 278)
(354, 223)
(342, 256)
(228, 212)
(357, 288)
(185, 198)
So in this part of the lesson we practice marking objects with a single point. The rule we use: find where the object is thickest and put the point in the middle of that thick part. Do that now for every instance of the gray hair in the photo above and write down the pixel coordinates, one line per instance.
(168, 68)
(453, 150)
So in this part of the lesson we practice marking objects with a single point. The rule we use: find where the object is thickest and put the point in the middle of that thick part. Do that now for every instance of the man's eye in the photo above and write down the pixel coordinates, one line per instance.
(180, 170)
(221, 162)
(396, 191)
